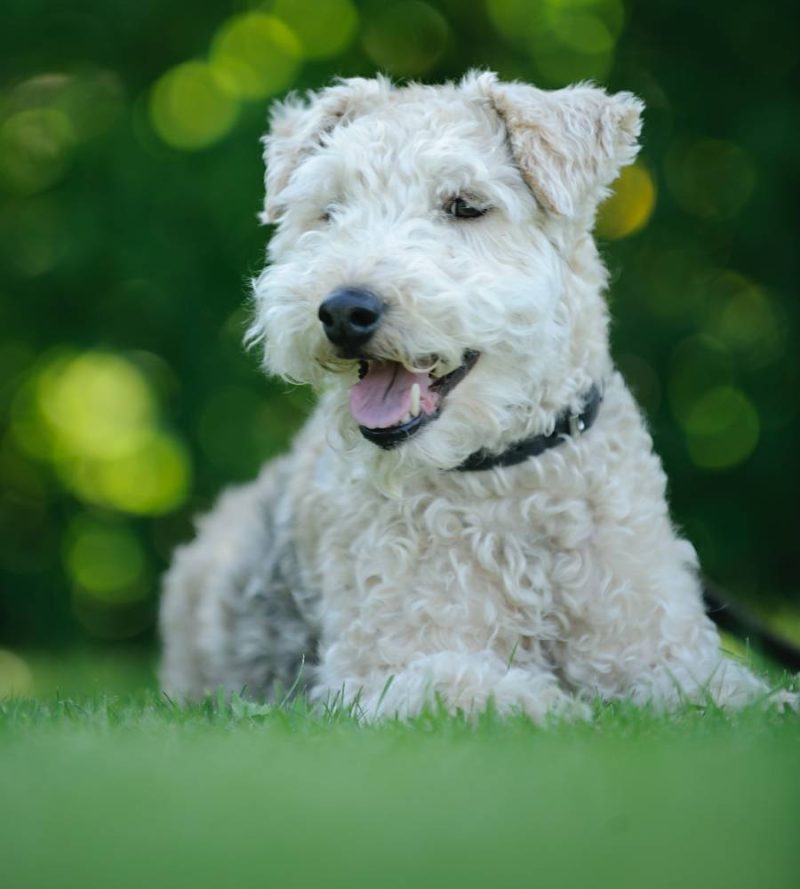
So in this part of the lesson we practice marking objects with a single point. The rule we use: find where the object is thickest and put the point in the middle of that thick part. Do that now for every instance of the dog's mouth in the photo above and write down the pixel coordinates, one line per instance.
(391, 403)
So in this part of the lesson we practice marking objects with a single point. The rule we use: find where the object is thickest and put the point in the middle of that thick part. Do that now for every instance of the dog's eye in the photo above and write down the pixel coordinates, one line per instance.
(461, 208)
(329, 212)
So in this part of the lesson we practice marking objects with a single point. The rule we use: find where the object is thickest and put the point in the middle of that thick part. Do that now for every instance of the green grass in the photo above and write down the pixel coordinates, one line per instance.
(134, 792)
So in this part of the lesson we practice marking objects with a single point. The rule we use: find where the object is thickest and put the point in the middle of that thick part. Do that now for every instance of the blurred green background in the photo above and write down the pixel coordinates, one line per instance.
(130, 179)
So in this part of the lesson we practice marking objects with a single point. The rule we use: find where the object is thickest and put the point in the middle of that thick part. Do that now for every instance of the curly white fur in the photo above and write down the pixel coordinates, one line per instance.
(385, 577)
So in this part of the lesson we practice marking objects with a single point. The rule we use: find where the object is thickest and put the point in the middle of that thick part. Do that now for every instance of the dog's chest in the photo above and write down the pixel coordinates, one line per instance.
(431, 566)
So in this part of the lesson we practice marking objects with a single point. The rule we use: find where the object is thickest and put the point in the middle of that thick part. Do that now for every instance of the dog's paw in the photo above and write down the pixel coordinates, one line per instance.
(784, 701)
(539, 697)
(564, 708)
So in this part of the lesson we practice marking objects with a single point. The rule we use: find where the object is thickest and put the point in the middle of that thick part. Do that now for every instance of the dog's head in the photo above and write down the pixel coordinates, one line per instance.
(433, 261)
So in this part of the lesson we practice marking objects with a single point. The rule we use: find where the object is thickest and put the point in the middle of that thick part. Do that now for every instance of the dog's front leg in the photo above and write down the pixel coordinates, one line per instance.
(460, 681)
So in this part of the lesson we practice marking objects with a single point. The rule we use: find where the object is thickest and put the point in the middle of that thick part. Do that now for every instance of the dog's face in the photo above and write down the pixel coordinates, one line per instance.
(424, 264)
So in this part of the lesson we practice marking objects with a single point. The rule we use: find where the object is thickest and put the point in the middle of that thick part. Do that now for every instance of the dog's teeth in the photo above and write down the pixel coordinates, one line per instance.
(415, 393)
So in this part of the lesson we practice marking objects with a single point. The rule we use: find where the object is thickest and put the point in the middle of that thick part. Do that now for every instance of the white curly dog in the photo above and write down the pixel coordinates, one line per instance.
(474, 513)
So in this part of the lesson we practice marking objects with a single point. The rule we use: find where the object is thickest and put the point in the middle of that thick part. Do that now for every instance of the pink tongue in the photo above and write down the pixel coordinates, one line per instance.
(383, 397)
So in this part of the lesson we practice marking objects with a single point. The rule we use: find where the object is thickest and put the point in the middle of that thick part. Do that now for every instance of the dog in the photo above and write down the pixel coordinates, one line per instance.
(474, 515)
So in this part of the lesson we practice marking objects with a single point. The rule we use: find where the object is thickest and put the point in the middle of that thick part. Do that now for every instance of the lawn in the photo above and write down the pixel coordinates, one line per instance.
(130, 791)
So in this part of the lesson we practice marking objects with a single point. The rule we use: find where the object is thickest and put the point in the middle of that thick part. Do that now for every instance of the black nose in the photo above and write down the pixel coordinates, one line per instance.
(350, 316)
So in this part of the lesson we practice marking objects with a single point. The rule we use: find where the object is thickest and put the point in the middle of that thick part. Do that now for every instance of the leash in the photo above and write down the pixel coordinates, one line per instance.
(742, 622)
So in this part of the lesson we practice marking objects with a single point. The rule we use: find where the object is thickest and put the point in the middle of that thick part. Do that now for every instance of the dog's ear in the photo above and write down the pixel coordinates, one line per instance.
(297, 125)
(570, 143)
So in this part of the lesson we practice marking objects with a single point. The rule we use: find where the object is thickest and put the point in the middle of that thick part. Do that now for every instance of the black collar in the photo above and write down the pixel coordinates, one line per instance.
(567, 424)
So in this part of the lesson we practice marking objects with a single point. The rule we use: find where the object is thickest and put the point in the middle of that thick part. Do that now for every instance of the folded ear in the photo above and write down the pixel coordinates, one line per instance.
(299, 124)
(570, 143)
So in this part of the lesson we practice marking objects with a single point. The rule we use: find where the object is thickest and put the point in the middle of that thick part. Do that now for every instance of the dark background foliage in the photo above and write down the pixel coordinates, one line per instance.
(130, 179)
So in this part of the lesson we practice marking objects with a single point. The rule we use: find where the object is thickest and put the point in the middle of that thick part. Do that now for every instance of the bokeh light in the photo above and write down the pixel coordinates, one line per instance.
(91, 99)
(325, 28)
(630, 206)
(720, 423)
(45, 119)
(405, 39)
(567, 40)
(710, 178)
(255, 55)
(191, 106)
(35, 149)
(105, 560)
(151, 480)
(722, 428)
(96, 404)
(93, 416)
(746, 319)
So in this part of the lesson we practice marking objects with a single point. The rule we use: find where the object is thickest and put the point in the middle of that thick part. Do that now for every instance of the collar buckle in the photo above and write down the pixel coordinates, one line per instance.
(576, 424)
